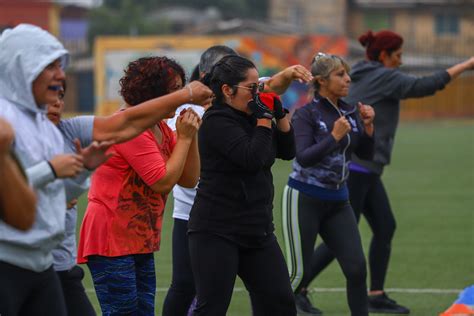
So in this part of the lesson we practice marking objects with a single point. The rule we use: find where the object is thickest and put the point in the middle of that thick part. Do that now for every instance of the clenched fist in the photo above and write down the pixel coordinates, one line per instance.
(67, 165)
(199, 93)
(367, 115)
(341, 128)
(187, 124)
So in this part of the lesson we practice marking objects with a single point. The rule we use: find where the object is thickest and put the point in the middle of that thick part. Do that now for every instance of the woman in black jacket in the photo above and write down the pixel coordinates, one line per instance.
(231, 223)
(316, 199)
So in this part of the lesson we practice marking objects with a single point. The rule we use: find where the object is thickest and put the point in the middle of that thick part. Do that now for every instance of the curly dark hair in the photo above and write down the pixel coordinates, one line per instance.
(148, 78)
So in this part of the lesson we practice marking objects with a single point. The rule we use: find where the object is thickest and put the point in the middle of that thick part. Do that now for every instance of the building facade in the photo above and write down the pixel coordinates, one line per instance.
(314, 16)
(429, 27)
(437, 34)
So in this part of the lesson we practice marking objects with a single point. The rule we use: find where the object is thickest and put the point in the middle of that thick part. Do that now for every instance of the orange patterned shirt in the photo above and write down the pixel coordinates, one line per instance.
(124, 215)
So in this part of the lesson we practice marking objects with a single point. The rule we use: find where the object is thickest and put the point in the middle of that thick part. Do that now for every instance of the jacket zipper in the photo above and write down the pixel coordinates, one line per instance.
(347, 146)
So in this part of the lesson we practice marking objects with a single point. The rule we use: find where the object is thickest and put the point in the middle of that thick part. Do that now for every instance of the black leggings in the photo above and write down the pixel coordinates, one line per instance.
(217, 261)
(25, 292)
(305, 217)
(181, 292)
(367, 196)
(77, 302)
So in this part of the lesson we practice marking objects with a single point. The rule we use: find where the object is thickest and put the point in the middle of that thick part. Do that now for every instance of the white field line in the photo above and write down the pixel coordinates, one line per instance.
(341, 289)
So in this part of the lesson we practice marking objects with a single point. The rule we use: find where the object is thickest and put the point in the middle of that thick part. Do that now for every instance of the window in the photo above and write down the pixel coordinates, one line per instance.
(297, 15)
(446, 24)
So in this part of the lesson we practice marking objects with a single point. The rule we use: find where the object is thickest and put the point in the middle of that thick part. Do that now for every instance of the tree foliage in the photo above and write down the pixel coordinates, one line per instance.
(123, 17)
(128, 17)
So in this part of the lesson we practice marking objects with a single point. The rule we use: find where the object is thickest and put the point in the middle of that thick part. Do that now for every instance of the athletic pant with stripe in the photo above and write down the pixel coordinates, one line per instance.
(305, 217)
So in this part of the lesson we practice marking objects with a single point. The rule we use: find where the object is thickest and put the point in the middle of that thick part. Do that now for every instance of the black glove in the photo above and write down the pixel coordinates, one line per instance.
(278, 111)
(262, 105)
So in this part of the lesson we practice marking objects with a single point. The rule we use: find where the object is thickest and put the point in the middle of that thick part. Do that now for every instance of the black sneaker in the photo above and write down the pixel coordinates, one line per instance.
(304, 306)
(382, 304)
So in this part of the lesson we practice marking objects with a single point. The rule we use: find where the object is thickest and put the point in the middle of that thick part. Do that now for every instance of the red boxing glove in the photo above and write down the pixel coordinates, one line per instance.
(279, 111)
(267, 99)
(273, 102)
(262, 105)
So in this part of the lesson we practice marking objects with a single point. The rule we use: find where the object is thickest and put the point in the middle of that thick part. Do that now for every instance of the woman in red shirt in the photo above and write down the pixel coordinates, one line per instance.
(122, 225)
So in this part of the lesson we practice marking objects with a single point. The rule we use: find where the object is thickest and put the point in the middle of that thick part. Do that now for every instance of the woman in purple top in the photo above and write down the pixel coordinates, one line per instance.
(379, 82)
(316, 199)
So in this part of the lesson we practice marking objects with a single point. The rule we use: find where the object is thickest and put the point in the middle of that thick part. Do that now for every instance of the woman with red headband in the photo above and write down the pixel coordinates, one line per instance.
(378, 82)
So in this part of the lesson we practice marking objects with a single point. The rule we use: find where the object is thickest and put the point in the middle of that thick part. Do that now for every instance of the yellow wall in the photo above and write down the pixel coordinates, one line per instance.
(103, 44)
(53, 19)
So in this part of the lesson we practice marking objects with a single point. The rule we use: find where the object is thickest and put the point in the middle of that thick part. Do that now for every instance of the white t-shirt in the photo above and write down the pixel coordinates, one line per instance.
(183, 197)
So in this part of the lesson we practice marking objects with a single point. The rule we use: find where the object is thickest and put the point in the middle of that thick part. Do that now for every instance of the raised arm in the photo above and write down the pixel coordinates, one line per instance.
(131, 122)
(191, 171)
(282, 80)
(400, 85)
(186, 128)
(458, 69)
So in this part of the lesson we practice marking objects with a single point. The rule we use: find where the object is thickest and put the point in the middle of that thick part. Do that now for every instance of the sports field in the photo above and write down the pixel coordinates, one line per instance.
(431, 186)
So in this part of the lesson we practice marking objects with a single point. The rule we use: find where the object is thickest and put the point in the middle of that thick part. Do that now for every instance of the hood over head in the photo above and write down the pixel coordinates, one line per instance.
(25, 51)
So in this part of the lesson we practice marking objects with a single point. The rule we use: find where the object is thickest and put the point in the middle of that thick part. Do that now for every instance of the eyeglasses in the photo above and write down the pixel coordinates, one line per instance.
(253, 88)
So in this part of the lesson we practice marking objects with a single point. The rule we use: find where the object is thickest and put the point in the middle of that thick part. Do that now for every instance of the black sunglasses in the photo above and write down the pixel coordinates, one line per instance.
(253, 88)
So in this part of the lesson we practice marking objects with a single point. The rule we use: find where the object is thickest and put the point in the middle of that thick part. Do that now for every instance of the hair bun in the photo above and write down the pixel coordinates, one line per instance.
(367, 38)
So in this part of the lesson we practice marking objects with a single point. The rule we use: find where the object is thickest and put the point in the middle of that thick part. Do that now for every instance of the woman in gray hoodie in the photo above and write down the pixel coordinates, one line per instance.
(31, 68)
(377, 81)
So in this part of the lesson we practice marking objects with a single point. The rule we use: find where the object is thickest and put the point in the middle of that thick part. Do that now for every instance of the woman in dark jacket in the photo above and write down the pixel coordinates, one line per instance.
(379, 82)
(231, 223)
(316, 199)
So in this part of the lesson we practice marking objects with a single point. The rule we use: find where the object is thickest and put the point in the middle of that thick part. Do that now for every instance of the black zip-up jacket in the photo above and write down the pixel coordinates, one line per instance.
(320, 160)
(235, 192)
